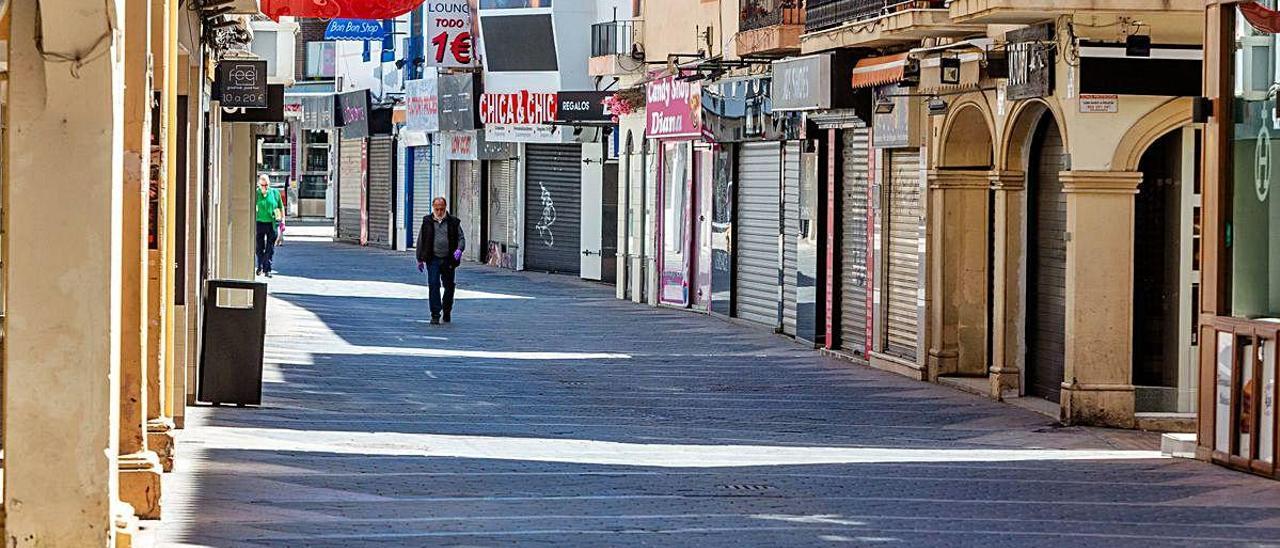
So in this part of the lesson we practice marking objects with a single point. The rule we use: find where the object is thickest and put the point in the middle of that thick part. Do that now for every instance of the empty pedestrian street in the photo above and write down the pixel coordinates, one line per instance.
(550, 413)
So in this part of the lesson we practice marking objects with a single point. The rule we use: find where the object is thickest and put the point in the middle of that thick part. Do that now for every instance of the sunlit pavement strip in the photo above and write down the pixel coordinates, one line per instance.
(622, 454)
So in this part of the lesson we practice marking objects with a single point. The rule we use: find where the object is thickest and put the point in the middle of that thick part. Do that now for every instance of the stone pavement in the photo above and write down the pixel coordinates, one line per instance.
(550, 413)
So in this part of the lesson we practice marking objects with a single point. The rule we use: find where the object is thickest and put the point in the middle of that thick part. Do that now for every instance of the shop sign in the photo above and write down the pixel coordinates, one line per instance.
(1099, 103)
(458, 145)
(449, 39)
(422, 110)
(898, 128)
(355, 29)
(457, 102)
(491, 150)
(274, 112)
(523, 107)
(242, 83)
(318, 112)
(353, 111)
(524, 133)
(1031, 62)
(583, 106)
(673, 108)
(742, 110)
(800, 83)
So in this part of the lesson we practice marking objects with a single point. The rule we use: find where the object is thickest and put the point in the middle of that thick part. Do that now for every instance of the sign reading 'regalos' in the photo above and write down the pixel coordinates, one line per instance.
(520, 108)
(673, 108)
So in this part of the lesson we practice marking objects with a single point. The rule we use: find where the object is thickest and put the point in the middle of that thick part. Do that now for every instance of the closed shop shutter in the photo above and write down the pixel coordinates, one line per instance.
(421, 186)
(466, 204)
(756, 281)
(1047, 280)
(903, 258)
(791, 225)
(502, 214)
(856, 147)
(381, 201)
(350, 183)
(553, 203)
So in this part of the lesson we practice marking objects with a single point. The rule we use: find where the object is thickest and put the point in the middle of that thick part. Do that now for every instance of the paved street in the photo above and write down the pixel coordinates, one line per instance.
(550, 413)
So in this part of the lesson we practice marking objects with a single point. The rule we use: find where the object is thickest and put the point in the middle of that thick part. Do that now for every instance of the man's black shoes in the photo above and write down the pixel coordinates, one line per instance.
(435, 320)
(446, 317)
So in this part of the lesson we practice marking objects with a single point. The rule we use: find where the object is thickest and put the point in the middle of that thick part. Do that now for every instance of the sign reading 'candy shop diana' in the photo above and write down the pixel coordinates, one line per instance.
(673, 109)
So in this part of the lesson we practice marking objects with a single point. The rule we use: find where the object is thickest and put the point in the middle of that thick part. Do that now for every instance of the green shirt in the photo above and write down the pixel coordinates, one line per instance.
(267, 204)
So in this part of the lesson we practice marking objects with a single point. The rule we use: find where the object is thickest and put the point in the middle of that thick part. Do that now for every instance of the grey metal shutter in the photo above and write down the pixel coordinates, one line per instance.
(381, 203)
(903, 257)
(791, 226)
(1047, 281)
(855, 154)
(756, 288)
(466, 204)
(421, 187)
(350, 186)
(553, 203)
(501, 204)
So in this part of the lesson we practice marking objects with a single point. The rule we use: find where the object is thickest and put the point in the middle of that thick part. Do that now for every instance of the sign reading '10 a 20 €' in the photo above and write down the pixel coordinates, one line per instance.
(449, 38)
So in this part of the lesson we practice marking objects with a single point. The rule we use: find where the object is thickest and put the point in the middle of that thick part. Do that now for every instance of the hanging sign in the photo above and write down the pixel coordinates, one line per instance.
(583, 106)
(458, 145)
(523, 107)
(800, 83)
(242, 83)
(457, 102)
(274, 112)
(1031, 62)
(353, 109)
(422, 104)
(897, 128)
(672, 108)
(449, 39)
(355, 29)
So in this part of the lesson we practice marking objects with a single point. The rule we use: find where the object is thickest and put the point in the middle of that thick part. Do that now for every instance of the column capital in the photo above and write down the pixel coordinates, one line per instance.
(1007, 180)
(959, 178)
(1100, 182)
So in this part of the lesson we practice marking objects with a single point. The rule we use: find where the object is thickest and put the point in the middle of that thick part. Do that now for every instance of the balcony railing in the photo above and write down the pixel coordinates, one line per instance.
(612, 38)
(825, 14)
(758, 14)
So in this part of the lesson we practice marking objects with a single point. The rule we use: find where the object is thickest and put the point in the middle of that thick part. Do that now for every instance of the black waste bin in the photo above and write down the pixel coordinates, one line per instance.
(231, 355)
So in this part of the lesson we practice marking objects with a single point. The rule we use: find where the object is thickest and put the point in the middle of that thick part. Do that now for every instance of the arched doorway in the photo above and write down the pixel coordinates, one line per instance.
(1046, 296)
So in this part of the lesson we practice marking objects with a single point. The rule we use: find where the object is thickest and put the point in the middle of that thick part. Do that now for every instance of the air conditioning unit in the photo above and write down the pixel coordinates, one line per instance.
(276, 43)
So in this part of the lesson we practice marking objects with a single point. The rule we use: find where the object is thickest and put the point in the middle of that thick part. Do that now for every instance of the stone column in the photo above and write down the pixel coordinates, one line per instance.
(1098, 387)
(159, 256)
(1008, 271)
(139, 468)
(958, 272)
(62, 270)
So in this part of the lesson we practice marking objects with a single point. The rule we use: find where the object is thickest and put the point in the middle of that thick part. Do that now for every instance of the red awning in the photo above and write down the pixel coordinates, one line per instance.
(878, 71)
(1260, 17)
(333, 9)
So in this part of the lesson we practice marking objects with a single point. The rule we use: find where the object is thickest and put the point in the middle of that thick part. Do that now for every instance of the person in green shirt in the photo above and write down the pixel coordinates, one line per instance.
(269, 212)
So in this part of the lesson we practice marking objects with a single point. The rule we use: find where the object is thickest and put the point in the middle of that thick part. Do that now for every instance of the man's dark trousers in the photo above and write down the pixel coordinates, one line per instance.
(440, 270)
(266, 243)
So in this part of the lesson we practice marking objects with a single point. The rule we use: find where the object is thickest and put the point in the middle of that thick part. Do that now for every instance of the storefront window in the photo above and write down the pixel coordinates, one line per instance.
(675, 222)
(1253, 235)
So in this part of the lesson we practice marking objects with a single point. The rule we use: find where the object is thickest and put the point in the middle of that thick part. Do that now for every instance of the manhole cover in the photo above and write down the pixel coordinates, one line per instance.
(747, 487)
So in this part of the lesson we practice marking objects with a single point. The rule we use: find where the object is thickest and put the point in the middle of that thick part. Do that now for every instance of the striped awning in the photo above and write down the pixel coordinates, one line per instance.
(878, 71)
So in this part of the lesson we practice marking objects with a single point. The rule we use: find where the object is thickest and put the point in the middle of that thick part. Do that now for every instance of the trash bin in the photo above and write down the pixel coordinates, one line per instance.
(235, 325)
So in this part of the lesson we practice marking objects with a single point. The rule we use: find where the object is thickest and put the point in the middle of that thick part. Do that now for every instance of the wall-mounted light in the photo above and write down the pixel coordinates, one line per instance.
(1137, 46)
(884, 105)
(950, 70)
(937, 106)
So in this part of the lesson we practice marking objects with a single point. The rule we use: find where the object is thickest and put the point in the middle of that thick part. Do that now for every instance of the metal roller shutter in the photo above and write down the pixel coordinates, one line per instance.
(903, 261)
(466, 204)
(756, 288)
(421, 187)
(856, 148)
(501, 203)
(553, 204)
(350, 186)
(791, 226)
(381, 203)
(1047, 280)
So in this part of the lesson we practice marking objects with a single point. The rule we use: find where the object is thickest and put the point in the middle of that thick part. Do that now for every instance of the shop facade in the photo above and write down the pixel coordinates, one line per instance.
(353, 148)
(674, 129)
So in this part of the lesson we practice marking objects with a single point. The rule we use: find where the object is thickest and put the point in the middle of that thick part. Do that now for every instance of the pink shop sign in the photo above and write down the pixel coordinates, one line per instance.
(673, 108)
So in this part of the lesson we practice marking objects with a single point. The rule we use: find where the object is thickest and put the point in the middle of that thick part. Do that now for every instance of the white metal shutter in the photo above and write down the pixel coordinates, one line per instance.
(502, 204)
(350, 183)
(381, 203)
(421, 187)
(756, 284)
(855, 154)
(553, 204)
(903, 260)
(1047, 281)
(791, 225)
(466, 204)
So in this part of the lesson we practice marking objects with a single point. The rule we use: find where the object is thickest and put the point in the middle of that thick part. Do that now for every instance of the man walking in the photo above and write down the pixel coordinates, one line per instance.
(440, 246)
(269, 212)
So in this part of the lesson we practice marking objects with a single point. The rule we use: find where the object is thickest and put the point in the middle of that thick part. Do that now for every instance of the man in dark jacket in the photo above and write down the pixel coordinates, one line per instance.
(440, 246)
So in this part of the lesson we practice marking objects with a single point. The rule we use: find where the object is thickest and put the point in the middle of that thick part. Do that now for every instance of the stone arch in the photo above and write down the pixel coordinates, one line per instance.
(1167, 117)
(1020, 127)
(968, 137)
